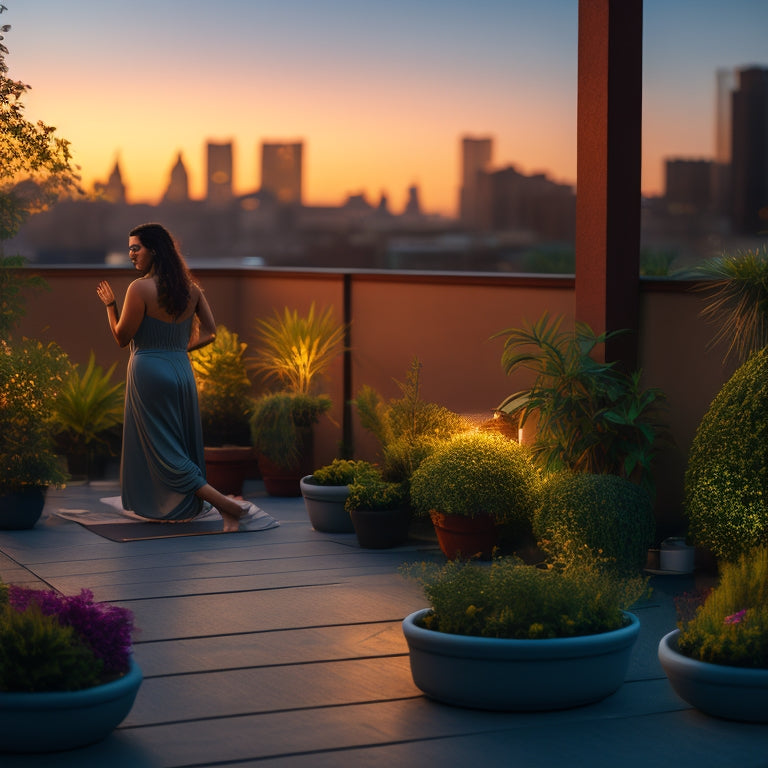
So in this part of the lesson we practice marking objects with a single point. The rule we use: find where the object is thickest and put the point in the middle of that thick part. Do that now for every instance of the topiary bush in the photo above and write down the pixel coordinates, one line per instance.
(726, 481)
(477, 473)
(600, 518)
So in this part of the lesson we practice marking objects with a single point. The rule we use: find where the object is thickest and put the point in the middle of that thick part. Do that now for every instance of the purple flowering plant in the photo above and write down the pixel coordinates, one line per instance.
(53, 642)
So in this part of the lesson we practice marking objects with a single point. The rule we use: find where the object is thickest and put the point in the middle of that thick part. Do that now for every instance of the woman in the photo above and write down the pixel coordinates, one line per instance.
(165, 314)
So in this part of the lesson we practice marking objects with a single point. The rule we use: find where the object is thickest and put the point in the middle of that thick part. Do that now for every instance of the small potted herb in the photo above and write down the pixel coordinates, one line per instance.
(326, 490)
(293, 353)
(75, 682)
(31, 376)
(226, 405)
(379, 511)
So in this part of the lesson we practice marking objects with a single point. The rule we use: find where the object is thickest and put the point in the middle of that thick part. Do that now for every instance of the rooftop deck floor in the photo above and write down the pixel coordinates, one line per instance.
(284, 648)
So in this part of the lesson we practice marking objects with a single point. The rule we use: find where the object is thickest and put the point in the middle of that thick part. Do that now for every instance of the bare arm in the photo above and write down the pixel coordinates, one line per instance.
(205, 330)
(125, 325)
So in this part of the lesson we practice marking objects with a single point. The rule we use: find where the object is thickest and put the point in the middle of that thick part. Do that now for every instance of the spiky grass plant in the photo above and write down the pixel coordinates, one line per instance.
(295, 350)
(737, 289)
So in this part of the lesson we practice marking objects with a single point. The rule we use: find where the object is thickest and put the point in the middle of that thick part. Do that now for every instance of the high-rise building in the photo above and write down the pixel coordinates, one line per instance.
(177, 190)
(721, 168)
(281, 171)
(219, 190)
(476, 157)
(749, 152)
(688, 187)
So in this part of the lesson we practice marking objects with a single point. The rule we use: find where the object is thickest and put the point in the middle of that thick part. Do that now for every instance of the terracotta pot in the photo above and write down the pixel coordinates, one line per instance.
(465, 537)
(227, 467)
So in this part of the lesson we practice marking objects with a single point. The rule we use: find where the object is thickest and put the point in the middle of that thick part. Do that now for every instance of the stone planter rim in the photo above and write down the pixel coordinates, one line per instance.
(498, 647)
(746, 677)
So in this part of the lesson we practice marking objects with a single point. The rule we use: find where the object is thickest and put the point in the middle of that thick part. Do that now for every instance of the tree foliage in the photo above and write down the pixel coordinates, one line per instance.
(36, 166)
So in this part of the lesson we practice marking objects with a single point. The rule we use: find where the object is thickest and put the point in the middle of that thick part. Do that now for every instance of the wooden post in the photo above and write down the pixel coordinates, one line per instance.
(608, 171)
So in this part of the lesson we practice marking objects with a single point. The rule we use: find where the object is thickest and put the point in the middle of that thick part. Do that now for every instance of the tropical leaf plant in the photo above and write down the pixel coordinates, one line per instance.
(737, 289)
(295, 350)
(592, 416)
(224, 389)
(89, 405)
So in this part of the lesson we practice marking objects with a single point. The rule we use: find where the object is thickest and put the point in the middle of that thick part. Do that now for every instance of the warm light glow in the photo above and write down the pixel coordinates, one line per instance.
(380, 99)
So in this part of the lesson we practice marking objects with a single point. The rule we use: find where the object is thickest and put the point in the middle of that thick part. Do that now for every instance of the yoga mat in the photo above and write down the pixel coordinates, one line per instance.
(117, 524)
(131, 531)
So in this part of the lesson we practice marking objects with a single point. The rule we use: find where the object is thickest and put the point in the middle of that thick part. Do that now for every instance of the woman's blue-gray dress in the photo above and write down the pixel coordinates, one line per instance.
(163, 463)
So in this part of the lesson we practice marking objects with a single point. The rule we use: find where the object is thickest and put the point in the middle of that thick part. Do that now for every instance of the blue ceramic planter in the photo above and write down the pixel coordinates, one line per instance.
(50, 722)
(733, 693)
(20, 510)
(325, 506)
(518, 675)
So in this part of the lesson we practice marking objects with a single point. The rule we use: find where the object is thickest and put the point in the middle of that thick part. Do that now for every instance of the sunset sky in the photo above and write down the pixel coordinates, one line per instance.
(380, 93)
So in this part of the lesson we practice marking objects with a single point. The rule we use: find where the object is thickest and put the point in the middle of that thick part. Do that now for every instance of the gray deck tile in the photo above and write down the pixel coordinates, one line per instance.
(283, 648)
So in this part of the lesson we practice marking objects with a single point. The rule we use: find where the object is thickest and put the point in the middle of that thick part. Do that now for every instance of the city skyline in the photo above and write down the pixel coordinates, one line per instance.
(379, 96)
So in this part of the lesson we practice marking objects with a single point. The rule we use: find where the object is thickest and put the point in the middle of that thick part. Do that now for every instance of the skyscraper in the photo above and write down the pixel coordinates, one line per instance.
(749, 152)
(281, 171)
(476, 155)
(219, 189)
(721, 168)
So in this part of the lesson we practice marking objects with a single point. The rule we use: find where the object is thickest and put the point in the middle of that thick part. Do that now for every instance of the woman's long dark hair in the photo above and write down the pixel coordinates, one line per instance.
(173, 277)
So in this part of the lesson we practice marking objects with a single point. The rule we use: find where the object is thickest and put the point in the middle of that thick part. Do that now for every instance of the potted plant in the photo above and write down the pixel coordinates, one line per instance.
(226, 405)
(293, 353)
(471, 484)
(595, 516)
(31, 375)
(326, 490)
(378, 510)
(516, 637)
(75, 683)
(591, 416)
(717, 658)
(88, 416)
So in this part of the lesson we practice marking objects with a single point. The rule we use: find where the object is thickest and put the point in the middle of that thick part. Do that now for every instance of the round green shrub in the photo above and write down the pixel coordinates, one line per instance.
(596, 517)
(726, 481)
(477, 473)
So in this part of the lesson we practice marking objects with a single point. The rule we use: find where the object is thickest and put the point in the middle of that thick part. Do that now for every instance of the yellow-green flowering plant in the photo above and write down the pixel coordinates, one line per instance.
(31, 376)
(731, 626)
(509, 599)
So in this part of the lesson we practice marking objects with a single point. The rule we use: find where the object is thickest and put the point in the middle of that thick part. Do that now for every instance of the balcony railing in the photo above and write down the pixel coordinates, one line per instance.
(444, 320)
